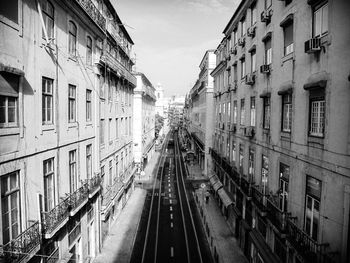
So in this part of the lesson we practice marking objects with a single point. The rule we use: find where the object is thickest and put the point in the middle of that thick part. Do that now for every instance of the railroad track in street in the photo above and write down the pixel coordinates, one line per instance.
(170, 233)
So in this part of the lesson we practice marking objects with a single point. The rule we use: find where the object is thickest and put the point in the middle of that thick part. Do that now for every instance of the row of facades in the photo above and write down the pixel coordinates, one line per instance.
(269, 119)
(66, 127)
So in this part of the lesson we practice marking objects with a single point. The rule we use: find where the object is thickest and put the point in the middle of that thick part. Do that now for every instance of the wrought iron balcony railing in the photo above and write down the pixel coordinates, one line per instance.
(246, 187)
(310, 249)
(276, 216)
(93, 12)
(23, 245)
(78, 197)
(52, 219)
(94, 184)
(259, 199)
(110, 192)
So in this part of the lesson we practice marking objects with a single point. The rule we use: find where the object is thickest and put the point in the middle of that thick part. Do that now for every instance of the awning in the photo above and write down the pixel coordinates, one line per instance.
(287, 20)
(265, 94)
(263, 249)
(253, 48)
(267, 37)
(9, 84)
(226, 200)
(317, 80)
(286, 88)
(215, 182)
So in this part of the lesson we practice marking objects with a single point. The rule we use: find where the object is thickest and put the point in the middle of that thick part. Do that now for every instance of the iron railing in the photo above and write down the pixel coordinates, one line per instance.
(259, 198)
(56, 215)
(93, 12)
(94, 183)
(79, 196)
(23, 244)
(276, 216)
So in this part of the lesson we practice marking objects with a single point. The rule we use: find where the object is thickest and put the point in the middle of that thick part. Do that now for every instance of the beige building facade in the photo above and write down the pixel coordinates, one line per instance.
(200, 112)
(53, 73)
(144, 120)
(281, 140)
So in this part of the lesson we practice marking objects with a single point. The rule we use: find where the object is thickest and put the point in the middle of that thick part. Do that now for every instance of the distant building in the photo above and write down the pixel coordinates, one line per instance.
(281, 139)
(200, 112)
(144, 120)
(160, 103)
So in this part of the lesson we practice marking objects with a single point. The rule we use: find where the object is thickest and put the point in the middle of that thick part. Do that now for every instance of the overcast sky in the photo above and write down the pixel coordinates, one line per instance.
(171, 37)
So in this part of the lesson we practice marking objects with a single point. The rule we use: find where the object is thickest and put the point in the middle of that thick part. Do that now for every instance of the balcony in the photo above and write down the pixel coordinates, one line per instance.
(24, 246)
(276, 216)
(94, 185)
(78, 199)
(110, 194)
(259, 200)
(246, 187)
(93, 13)
(310, 249)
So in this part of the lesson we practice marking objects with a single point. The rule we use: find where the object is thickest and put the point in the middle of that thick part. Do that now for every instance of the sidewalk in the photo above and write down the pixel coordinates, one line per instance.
(120, 240)
(223, 245)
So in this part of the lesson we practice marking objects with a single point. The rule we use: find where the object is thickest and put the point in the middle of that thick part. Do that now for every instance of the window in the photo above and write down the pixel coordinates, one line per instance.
(266, 113)
(48, 16)
(251, 164)
(9, 9)
(110, 130)
(10, 206)
(49, 185)
(72, 39)
(243, 68)
(89, 161)
(242, 115)
(241, 159)
(253, 61)
(233, 151)
(116, 129)
(71, 103)
(253, 14)
(243, 27)
(268, 52)
(101, 81)
(47, 101)
(312, 207)
(102, 173)
(283, 184)
(9, 84)
(320, 20)
(73, 175)
(88, 105)
(110, 176)
(116, 168)
(89, 51)
(264, 172)
(252, 111)
(317, 116)
(268, 3)
(288, 38)
(235, 37)
(229, 111)
(102, 131)
(235, 111)
(286, 112)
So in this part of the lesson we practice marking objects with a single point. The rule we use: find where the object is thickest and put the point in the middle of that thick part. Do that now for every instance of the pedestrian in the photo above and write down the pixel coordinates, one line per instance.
(207, 197)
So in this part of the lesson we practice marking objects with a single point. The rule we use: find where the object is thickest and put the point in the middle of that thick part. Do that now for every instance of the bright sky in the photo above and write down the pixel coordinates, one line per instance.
(171, 37)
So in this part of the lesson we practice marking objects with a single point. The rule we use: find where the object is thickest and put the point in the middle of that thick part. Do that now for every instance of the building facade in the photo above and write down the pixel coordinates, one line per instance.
(200, 112)
(144, 120)
(281, 140)
(54, 70)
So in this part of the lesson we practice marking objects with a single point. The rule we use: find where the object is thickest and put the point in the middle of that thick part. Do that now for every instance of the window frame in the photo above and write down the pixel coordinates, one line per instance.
(242, 112)
(72, 103)
(73, 171)
(89, 52)
(49, 178)
(45, 97)
(88, 105)
(266, 113)
(287, 112)
(320, 7)
(72, 38)
(320, 120)
(252, 111)
(288, 49)
(89, 161)
(315, 202)
(46, 17)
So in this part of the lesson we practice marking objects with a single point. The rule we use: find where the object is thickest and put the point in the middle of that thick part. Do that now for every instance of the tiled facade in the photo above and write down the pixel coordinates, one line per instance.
(53, 59)
(281, 139)
(144, 120)
(199, 106)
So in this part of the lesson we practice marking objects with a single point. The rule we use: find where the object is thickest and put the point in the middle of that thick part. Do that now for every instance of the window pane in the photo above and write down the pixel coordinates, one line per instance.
(12, 109)
(324, 19)
(9, 9)
(2, 109)
(317, 22)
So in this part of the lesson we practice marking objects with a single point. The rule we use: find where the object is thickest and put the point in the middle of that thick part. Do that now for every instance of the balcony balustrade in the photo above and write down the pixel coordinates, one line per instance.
(310, 249)
(94, 185)
(78, 198)
(93, 12)
(276, 216)
(110, 192)
(24, 245)
(259, 199)
(246, 187)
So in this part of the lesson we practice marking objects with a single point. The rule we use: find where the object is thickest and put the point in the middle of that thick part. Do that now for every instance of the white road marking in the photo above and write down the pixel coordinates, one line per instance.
(170, 201)
(169, 185)
(171, 224)
(172, 252)
(171, 208)
(169, 195)
(171, 216)
(169, 190)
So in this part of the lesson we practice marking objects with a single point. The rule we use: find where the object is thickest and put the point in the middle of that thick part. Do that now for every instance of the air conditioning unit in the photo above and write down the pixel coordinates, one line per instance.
(313, 45)
(250, 79)
(251, 31)
(266, 16)
(234, 50)
(265, 69)
(241, 41)
(249, 131)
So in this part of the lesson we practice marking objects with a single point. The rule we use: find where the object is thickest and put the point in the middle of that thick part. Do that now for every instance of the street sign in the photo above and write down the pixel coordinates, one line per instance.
(203, 185)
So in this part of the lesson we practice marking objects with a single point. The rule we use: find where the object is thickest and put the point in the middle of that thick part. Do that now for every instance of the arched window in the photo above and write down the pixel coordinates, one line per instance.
(88, 50)
(48, 16)
(72, 38)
